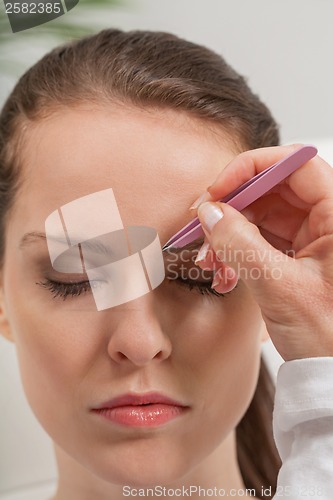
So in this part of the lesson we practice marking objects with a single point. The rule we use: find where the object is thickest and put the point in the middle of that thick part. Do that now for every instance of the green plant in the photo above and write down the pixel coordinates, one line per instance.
(75, 24)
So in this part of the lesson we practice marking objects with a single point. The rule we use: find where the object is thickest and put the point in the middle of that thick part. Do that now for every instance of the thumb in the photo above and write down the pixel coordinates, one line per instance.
(239, 244)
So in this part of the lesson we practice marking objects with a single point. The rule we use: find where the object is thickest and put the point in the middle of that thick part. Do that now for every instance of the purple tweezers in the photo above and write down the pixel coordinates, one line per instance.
(247, 193)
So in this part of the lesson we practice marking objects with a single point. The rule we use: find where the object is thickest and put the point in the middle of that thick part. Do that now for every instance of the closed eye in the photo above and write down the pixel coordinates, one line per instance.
(202, 287)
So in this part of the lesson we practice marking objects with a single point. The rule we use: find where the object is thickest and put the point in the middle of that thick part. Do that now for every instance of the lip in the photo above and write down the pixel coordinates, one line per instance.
(141, 410)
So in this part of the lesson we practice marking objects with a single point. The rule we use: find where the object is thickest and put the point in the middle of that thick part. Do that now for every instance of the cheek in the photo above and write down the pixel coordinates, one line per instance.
(54, 348)
(221, 360)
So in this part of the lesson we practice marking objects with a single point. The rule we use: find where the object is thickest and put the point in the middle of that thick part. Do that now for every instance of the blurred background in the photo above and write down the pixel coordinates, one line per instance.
(284, 50)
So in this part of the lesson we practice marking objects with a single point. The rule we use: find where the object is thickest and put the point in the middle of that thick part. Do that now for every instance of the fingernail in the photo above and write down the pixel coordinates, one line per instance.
(209, 214)
(202, 252)
(216, 280)
(228, 277)
(204, 197)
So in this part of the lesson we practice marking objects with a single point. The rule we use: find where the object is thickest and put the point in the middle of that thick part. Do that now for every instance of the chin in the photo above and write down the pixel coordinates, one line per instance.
(141, 472)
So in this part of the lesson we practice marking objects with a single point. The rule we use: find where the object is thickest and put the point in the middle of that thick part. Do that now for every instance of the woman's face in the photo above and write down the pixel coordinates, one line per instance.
(196, 348)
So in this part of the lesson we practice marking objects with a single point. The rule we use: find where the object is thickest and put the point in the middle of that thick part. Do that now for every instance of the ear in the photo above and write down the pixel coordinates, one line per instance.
(5, 329)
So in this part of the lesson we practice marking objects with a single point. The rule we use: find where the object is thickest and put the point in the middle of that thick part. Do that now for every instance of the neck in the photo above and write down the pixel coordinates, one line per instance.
(219, 470)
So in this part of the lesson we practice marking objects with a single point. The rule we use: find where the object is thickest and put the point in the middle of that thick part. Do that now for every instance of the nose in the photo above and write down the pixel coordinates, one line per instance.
(137, 336)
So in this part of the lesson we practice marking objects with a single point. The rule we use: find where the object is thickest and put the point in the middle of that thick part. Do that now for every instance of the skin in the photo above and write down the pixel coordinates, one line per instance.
(294, 221)
(191, 347)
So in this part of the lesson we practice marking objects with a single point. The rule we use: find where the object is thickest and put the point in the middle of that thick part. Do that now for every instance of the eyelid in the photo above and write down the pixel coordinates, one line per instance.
(63, 290)
(206, 275)
(203, 288)
(178, 253)
(60, 277)
(68, 280)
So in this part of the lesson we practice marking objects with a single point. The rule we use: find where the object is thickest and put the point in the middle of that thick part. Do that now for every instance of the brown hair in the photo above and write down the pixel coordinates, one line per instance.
(153, 69)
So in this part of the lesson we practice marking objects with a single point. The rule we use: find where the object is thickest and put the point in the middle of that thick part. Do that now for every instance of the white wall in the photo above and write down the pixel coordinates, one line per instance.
(284, 47)
(285, 50)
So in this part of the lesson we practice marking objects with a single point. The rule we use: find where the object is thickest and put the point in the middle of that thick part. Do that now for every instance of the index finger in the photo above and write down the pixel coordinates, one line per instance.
(245, 166)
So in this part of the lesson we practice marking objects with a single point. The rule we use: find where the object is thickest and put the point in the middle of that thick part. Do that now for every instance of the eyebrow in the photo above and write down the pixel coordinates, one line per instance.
(194, 245)
(32, 237)
(36, 236)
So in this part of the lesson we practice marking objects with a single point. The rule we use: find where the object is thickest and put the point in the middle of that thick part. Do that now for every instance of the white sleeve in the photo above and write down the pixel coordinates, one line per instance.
(303, 428)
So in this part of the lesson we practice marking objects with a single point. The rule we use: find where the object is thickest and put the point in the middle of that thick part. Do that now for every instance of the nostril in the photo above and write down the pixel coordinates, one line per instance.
(159, 355)
(121, 356)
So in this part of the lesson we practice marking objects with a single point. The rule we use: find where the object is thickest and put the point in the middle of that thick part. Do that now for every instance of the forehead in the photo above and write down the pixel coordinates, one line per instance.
(156, 161)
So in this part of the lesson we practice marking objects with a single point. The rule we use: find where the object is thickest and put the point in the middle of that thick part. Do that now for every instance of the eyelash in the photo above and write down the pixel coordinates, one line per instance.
(59, 289)
(203, 288)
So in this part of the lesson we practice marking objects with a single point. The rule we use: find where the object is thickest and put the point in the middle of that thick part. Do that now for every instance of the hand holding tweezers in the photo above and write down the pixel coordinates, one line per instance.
(247, 193)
